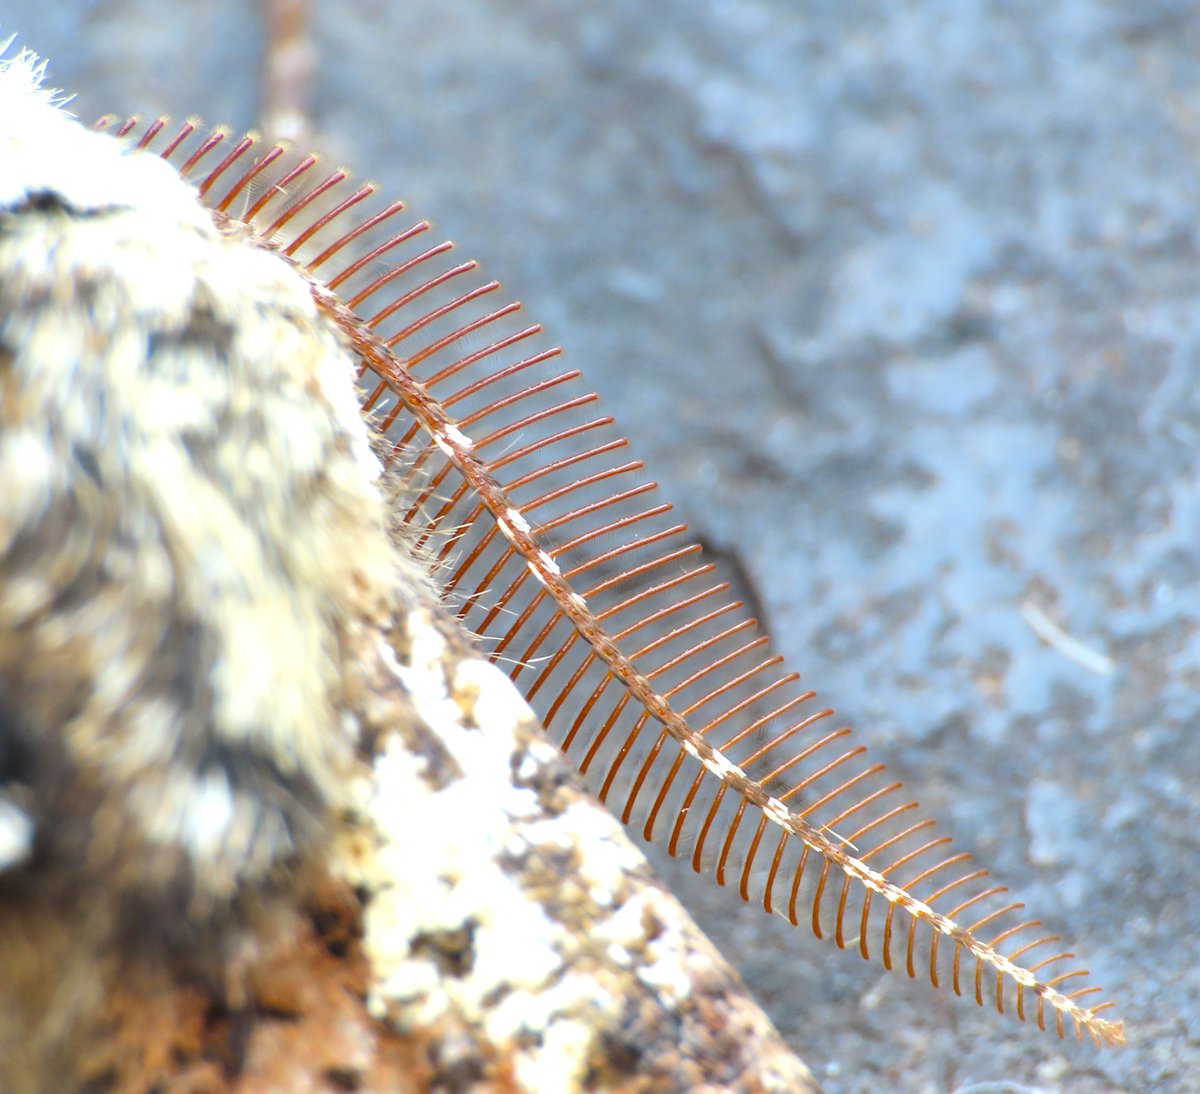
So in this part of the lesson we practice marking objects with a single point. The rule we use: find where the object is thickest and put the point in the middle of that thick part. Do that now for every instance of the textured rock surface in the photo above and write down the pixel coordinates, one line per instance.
(899, 301)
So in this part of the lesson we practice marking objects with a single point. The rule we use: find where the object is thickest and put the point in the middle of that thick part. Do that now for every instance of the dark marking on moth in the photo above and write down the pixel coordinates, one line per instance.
(85, 459)
(259, 778)
(344, 1078)
(52, 202)
(621, 1053)
(452, 951)
(547, 781)
(203, 331)
(16, 756)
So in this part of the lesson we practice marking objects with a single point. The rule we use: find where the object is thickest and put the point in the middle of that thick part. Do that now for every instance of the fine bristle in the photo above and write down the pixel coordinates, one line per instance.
(563, 558)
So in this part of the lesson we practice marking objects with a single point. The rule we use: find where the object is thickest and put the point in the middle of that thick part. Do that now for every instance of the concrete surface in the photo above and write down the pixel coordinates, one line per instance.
(899, 301)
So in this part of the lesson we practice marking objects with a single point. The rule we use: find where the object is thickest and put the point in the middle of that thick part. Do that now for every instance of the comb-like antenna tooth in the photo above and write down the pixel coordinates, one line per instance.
(773, 872)
(507, 552)
(591, 480)
(841, 789)
(625, 549)
(820, 773)
(838, 936)
(519, 396)
(524, 424)
(882, 821)
(206, 146)
(476, 552)
(429, 317)
(327, 218)
(863, 948)
(185, 131)
(958, 882)
(939, 841)
(622, 753)
(953, 860)
(588, 688)
(501, 605)
(887, 932)
(563, 435)
(300, 169)
(295, 208)
(552, 468)
(796, 879)
(928, 872)
(1047, 961)
(649, 592)
(570, 460)
(753, 699)
(597, 506)
(556, 659)
(707, 698)
(374, 255)
(710, 667)
(581, 718)
(706, 825)
(763, 751)
(397, 273)
(910, 965)
(500, 375)
(246, 181)
(363, 228)
(590, 657)
(727, 846)
(1019, 928)
(152, 131)
(526, 658)
(239, 150)
(609, 724)
(744, 881)
(499, 346)
(669, 781)
(676, 608)
(816, 902)
(919, 826)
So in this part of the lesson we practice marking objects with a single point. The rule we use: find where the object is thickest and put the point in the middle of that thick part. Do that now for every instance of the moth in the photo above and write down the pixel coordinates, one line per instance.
(267, 818)
(549, 540)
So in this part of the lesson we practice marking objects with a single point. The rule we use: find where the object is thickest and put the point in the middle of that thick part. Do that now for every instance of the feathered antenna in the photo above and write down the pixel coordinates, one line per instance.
(637, 661)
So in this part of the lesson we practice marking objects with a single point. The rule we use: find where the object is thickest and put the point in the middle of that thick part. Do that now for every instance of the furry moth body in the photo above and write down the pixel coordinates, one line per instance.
(183, 579)
(181, 586)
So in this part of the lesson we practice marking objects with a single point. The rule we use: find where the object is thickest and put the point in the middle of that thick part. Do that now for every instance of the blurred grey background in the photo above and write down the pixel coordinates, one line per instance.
(899, 301)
